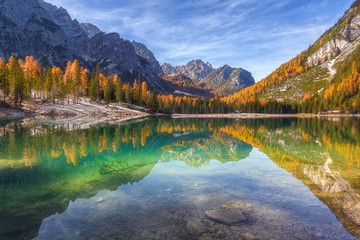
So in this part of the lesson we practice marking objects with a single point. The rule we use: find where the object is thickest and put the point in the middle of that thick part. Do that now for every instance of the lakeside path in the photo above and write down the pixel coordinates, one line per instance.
(262, 115)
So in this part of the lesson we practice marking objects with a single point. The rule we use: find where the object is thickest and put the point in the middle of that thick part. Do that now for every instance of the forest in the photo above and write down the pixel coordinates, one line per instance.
(28, 80)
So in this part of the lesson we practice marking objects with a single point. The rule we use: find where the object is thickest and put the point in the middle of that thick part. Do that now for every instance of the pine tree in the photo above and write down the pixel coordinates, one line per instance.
(119, 88)
(153, 104)
(109, 91)
(17, 82)
(139, 93)
(128, 93)
(48, 83)
(4, 81)
(94, 84)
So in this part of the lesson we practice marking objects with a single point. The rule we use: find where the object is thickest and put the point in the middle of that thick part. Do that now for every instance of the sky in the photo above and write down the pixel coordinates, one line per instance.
(257, 35)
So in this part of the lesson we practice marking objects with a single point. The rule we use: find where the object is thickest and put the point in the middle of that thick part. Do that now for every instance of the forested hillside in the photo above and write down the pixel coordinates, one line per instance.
(322, 78)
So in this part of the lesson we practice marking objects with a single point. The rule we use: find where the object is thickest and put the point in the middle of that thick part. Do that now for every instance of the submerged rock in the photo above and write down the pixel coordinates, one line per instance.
(249, 236)
(194, 227)
(220, 234)
(226, 216)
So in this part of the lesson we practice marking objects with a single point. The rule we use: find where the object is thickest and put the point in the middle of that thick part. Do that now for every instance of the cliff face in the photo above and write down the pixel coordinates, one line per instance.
(34, 27)
(29, 29)
(328, 51)
(343, 42)
(145, 53)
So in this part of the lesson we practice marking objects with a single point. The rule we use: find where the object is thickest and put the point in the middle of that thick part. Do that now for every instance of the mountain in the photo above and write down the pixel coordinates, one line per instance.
(226, 80)
(324, 77)
(195, 69)
(221, 81)
(181, 85)
(34, 27)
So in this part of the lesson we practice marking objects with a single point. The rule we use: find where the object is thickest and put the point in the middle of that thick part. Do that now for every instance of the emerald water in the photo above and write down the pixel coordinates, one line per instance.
(158, 178)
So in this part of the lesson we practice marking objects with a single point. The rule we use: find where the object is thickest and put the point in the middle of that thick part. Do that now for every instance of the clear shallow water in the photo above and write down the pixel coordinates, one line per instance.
(292, 179)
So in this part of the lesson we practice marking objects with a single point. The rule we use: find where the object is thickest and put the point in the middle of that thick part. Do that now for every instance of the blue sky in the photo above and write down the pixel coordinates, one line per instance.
(257, 35)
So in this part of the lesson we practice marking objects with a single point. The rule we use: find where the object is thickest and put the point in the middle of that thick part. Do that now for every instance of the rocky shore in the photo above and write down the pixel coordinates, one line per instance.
(84, 112)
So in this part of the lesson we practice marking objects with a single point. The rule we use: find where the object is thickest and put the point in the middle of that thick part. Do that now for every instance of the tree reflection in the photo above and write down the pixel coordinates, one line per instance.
(54, 165)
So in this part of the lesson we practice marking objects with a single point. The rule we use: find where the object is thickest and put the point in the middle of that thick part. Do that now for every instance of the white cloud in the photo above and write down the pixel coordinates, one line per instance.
(257, 35)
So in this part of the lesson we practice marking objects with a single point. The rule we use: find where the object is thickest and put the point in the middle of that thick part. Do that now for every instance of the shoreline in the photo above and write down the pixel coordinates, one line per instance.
(87, 112)
(83, 113)
(264, 115)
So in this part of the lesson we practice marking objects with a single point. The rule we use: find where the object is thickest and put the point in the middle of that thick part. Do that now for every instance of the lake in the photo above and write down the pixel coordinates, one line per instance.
(163, 178)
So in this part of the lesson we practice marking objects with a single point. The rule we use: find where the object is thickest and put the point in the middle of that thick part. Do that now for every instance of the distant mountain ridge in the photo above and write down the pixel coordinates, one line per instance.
(195, 69)
(221, 81)
(227, 80)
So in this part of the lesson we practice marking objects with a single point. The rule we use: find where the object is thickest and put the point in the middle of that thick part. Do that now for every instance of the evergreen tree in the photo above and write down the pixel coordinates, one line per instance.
(94, 84)
(109, 91)
(48, 83)
(4, 81)
(139, 93)
(153, 104)
(128, 93)
(17, 82)
(119, 88)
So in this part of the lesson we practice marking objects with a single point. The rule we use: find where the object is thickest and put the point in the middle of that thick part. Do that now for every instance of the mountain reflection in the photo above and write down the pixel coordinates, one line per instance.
(48, 166)
(43, 168)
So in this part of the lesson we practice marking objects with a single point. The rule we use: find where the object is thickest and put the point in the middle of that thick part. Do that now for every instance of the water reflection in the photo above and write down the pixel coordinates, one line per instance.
(44, 168)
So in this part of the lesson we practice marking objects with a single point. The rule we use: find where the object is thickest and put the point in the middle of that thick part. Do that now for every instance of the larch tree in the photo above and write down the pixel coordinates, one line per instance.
(85, 76)
(144, 92)
(76, 80)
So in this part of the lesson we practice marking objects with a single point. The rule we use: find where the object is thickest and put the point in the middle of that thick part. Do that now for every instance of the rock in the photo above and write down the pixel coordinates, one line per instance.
(352, 31)
(226, 216)
(220, 234)
(327, 51)
(249, 236)
(90, 29)
(194, 227)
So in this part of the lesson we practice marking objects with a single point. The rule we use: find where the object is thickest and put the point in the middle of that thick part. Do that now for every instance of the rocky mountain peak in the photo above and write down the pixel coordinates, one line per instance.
(195, 69)
(90, 29)
(226, 80)
(38, 28)
(143, 52)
